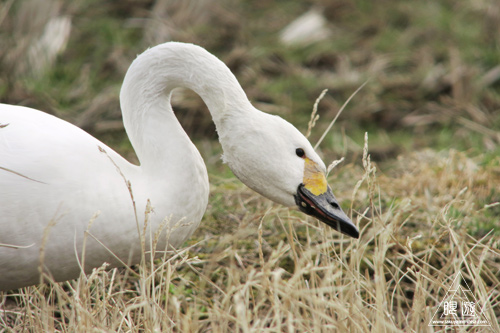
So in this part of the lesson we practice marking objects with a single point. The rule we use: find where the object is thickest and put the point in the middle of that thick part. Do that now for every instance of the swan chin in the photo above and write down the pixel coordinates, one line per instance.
(325, 208)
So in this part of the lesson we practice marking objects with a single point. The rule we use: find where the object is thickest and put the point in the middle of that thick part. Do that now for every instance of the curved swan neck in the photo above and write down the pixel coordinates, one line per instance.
(154, 131)
(156, 72)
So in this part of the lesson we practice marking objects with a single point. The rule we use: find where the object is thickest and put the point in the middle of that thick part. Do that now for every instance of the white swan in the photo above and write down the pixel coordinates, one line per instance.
(54, 177)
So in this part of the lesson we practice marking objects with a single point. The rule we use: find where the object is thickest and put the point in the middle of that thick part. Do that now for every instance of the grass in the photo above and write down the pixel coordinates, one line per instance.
(424, 193)
(271, 269)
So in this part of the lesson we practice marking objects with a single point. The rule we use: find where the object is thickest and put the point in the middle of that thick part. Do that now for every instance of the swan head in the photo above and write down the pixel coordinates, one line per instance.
(273, 158)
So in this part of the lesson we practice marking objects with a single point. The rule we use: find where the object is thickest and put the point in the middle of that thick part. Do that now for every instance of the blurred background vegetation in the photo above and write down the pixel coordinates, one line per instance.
(432, 68)
(431, 108)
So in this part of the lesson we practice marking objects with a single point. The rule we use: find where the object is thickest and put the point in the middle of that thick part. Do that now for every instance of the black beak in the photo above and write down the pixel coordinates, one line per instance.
(325, 208)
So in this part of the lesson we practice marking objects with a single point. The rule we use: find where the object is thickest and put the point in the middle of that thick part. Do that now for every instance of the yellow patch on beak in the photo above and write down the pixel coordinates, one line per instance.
(314, 178)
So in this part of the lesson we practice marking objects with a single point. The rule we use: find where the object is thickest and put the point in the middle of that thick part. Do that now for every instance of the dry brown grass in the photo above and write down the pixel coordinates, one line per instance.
(280, 273)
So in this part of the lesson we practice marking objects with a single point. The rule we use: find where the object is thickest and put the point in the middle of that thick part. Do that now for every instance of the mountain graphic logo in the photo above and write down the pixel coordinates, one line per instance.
(459, 307)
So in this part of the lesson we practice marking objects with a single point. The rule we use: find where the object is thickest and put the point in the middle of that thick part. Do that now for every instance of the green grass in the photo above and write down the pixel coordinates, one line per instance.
(426, 210)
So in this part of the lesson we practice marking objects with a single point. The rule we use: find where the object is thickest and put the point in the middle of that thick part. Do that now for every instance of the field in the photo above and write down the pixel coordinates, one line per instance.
(420, 175)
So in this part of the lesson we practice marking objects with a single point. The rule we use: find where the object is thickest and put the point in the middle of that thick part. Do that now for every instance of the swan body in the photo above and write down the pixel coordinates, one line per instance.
(69, 202)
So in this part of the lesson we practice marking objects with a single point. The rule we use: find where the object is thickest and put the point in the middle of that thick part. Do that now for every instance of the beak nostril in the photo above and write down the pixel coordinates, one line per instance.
(335, 205)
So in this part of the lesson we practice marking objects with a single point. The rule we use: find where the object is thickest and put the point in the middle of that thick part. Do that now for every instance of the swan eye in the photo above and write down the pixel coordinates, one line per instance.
(300, 152)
